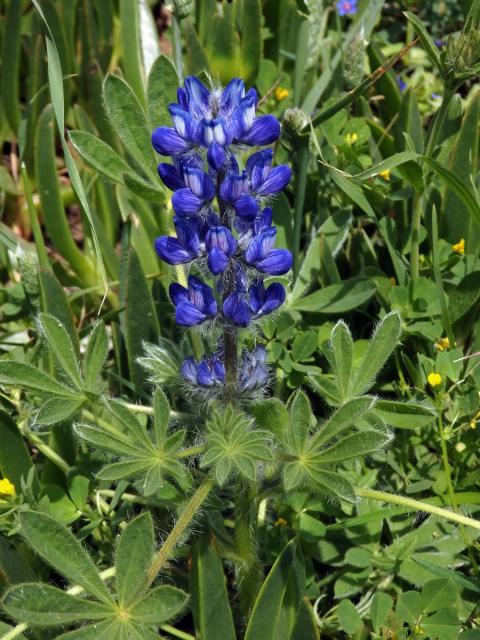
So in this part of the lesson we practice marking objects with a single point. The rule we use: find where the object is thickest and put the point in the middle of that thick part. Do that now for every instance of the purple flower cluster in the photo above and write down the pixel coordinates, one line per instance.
(222, 225)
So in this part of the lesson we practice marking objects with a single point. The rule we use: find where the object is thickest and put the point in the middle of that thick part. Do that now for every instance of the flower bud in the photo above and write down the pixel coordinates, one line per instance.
(28, 267)
(182, 8)
(293, 122)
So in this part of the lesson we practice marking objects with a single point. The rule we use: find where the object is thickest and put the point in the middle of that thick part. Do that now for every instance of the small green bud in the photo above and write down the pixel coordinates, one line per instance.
(354, 61)
(28, 268)
(293, 122)
(182, 8)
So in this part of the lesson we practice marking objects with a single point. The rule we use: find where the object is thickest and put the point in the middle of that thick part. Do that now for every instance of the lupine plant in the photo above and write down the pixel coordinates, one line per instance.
(210, 144)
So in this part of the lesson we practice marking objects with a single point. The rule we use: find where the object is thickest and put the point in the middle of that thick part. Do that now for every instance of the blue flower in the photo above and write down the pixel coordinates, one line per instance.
(261, 254)
(220, 245)
(198, 193)
(209, 372)
(214, 120)
(236, 309)
(193, 305)
(346, 7)
(172, 175)
(264, 301)
(253, 370)
(182, 249)
(402, 85)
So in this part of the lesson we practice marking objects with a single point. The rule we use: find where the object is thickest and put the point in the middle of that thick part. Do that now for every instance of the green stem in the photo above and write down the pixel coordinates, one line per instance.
(177, 47)
(300, 187)
(176, 633)
(417, 505)
(178, 530)
(47, 451)
(73, 591)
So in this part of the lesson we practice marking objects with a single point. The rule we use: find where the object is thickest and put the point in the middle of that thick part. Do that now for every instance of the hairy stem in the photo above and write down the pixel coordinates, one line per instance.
(178, 530)
(417, 505)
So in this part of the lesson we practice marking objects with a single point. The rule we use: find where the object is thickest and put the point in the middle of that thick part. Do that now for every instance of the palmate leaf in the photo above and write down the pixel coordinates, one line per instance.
(232, 444)
(147, 456)
(124, 615)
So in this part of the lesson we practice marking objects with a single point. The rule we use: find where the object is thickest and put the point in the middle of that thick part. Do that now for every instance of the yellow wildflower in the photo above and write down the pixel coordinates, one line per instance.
(473, 422)
(385, 174)
(459, 247)
(281, 522)
(460, 447)
(434, 379)
(442, 344)
(6, 487)
(351, 138)
(281, 93)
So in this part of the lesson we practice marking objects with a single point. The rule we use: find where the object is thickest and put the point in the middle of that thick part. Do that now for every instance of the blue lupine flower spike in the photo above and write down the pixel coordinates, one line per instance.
(221, 228)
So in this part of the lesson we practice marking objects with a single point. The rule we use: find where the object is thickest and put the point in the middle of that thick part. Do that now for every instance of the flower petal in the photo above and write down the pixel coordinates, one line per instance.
(177, 293)
(167, 142)
(171, 250)
(264, 130)
(170, 176)
(236, 310)
(277, 262)
(188, 315)
(261, 245)
(246, 207)
(276, 181)
(185, 203)
(189, 370)
(217, 261)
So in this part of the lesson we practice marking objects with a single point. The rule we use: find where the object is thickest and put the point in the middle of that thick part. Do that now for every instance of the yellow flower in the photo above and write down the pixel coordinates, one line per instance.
(473, 422)
(6, 487)
(459, 247)
(385, 174)
(281, 93)
(351, 138)
(281, 522)
(434, 379)
(442, 344)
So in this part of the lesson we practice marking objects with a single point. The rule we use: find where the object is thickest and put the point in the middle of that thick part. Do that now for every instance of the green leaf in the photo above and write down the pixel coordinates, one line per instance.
(343, 418)
(438, 594)
(356, 445)
(161, 415)
(122, 470)
(134, 555)
(404, 415)
(106, 630)
(337, 298)
(442, 625)
(211, 609)
(380, 608)
(348, 617)
(130, 423)
(99, 155)
(331, 484)
(58, 410)
(311, 528)
(28, 377)
(408, 607)
(62, 347)
(383, 342)
(271, 414)
(117, 443)
(300, 420)
(15, 461)
(430, 47)
(334, 231)
(459, 187)
(55, 302)
(44, 605)
(59, 547)
(161, 91)
(251, 39)
(267, 611)
(196, 55)
(463, 163)
(306, 627)
(130, 42)
(342, 356)
(141, 323)
(11, 41)
(232, 444)
(129, 121)
(160, 605)
(49, 191)
(95, 356)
